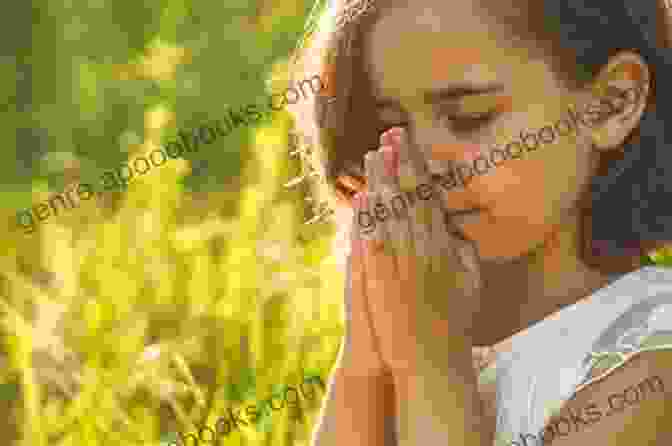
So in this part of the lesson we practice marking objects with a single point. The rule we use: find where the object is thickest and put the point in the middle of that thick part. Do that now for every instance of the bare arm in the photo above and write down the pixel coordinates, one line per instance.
(358, 411)
(439, 403)
(359, 408)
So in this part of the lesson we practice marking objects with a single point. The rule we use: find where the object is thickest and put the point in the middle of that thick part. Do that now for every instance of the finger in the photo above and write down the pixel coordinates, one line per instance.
(415, 157)
(386, 298)
(464, 252)
(418, 189)
(407, 183)
(366, 219)
(436, 278)
(388, 137)
(365, 353)
(407, 257)
(374, 202)
(375, 172)
(394, 230)
(397, 228)
(389, 157)
(454, 266)
(388, 303)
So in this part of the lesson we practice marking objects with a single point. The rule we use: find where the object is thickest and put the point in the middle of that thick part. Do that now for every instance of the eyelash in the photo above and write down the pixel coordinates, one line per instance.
(465, 123)
(468, 123)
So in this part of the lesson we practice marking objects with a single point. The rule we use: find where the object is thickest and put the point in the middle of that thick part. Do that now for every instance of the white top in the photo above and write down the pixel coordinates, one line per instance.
(533, 379)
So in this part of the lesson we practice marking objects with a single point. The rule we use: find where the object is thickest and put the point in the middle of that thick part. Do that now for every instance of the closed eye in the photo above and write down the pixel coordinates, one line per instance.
(468, 122)
(459, 123)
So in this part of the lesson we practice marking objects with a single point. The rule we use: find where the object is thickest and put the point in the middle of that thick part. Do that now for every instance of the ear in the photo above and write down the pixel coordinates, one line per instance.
(664, 25)
(620, 94)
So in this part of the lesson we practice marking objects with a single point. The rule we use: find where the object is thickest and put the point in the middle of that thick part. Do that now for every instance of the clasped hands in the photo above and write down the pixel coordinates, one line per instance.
(420, 283)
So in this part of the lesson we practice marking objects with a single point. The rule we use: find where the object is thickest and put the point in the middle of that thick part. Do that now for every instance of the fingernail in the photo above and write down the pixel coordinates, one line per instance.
(391, 160)
(392, 136)
(357, 200)
(386, 138)
(396, 130)
(363, 200)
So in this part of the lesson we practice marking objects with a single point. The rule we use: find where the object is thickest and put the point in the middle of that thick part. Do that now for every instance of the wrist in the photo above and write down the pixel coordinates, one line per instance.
(364, 365)
(446, 360)
(447, 394)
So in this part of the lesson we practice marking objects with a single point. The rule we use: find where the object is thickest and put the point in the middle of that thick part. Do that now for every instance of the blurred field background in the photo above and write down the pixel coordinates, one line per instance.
(128, 319)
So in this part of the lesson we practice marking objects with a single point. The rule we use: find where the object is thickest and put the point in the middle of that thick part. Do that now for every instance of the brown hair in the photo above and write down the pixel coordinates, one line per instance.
(344, 126)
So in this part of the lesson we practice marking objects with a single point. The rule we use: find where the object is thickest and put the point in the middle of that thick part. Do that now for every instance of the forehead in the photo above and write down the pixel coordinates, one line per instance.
(429, 43)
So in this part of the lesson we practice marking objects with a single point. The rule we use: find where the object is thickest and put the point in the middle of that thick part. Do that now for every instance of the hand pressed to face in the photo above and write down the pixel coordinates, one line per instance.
(421, 281)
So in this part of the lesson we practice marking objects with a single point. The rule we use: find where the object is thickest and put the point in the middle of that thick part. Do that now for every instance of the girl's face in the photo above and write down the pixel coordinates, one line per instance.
(462, 86)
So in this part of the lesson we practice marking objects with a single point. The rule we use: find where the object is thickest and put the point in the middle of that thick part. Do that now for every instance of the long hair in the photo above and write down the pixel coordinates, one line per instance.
(630, 195)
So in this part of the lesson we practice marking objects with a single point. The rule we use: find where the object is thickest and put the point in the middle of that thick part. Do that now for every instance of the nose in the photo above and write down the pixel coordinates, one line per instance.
(451, 166)
(438, 146)
(442, 157)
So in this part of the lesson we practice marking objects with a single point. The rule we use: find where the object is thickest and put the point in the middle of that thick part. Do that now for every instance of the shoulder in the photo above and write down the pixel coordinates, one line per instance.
(632, 404)
(624, 335)
(628, 396)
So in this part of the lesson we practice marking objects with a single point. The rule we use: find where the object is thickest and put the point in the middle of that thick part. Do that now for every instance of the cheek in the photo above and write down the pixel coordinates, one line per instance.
(442, 153)
(516, 196)
(568, 172)
(526, 199)
(542, 180)
(516, 189)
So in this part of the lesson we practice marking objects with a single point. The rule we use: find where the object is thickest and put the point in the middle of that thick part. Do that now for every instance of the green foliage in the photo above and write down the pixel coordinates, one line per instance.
(130, 319)
(244, 388)
(160, 309)
(89, 88)
(9, 391)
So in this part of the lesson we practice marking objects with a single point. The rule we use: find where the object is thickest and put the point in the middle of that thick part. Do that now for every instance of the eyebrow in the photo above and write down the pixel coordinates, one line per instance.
(445, 94)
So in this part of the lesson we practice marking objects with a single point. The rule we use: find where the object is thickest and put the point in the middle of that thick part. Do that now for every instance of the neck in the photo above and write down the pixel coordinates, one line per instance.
(523, 291)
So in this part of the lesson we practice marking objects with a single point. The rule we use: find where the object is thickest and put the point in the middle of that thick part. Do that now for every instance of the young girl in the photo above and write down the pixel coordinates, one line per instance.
(502, 159)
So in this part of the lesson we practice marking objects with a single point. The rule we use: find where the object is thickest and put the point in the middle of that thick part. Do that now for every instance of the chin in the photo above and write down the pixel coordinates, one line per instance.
(499, 255)
(500, 246)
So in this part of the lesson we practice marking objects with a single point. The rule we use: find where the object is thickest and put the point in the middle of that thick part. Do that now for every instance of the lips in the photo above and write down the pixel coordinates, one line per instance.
(454, 213)
(452, 225)
(468, 206)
